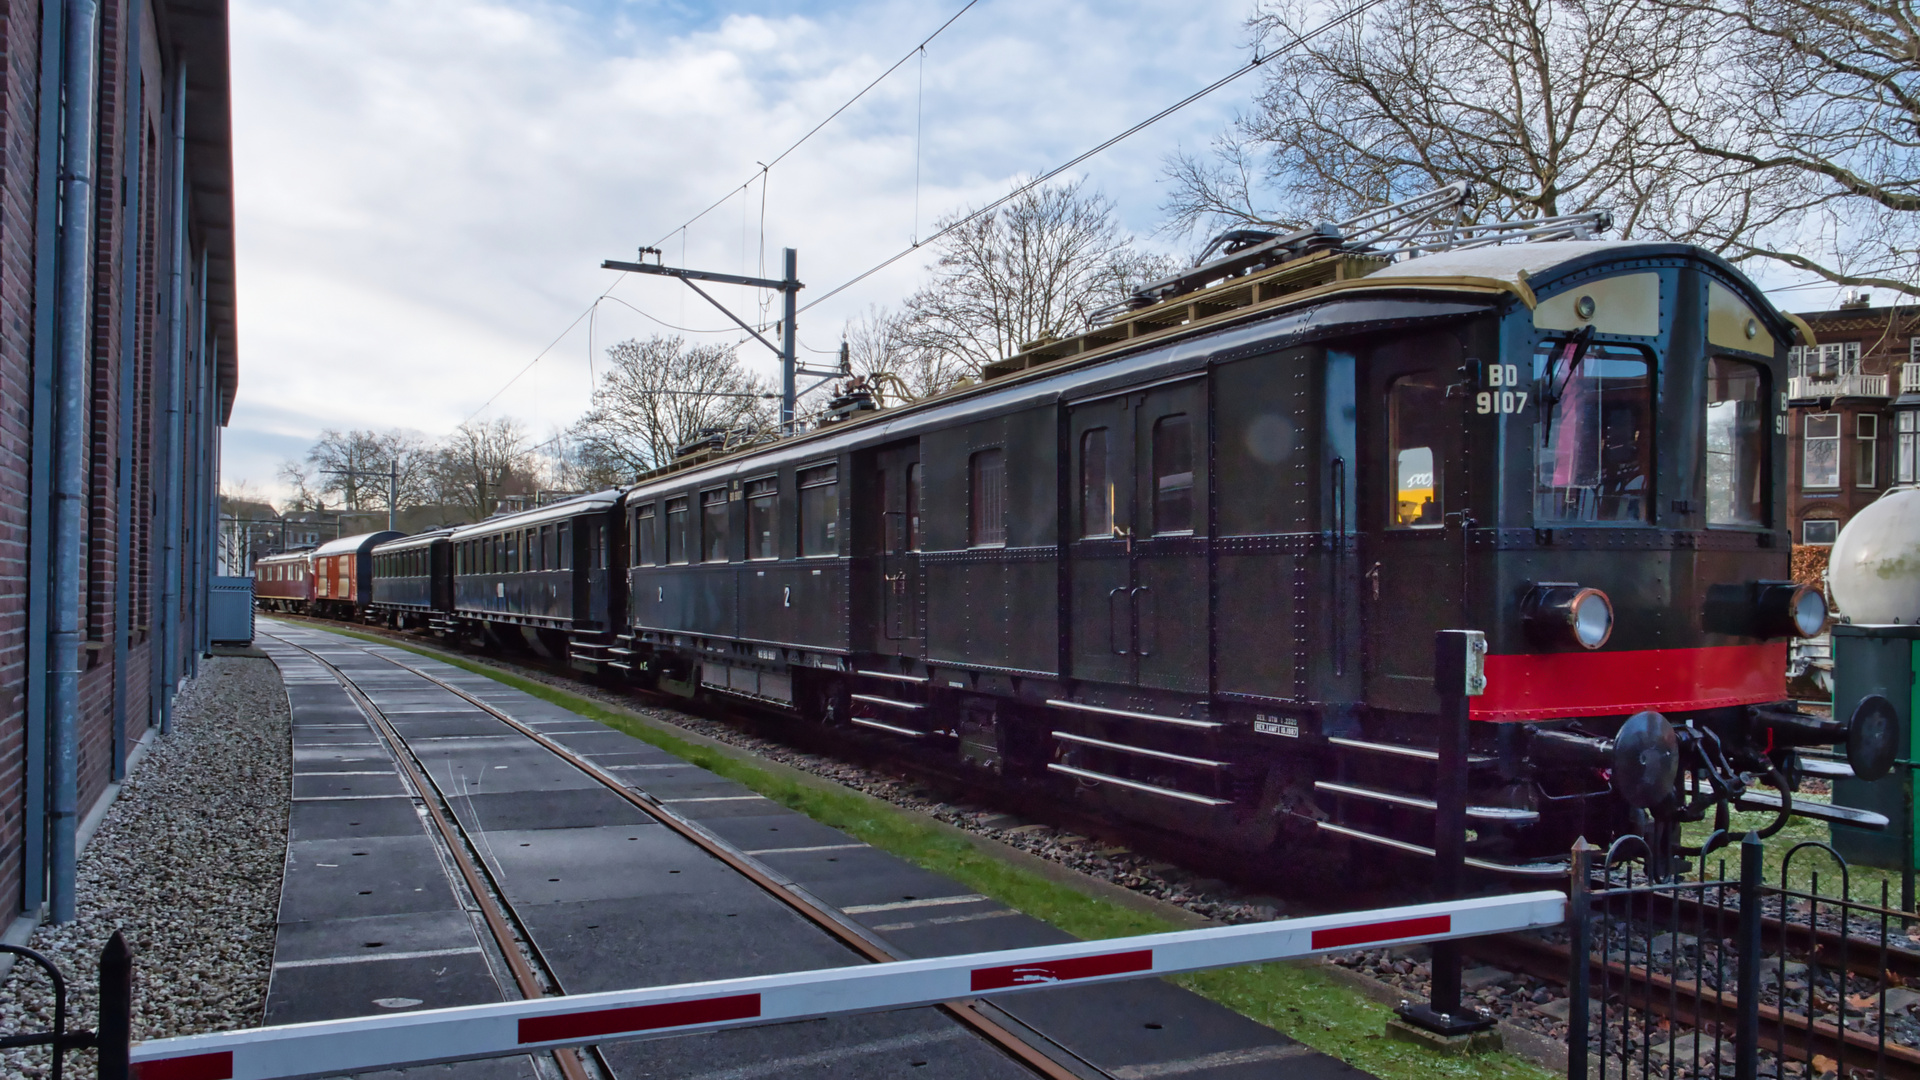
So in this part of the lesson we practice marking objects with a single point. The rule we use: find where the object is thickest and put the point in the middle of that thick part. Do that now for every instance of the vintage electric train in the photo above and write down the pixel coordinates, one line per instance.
(1189, 566)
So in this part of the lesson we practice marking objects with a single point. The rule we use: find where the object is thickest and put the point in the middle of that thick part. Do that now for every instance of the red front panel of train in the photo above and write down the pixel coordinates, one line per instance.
(1542, 686)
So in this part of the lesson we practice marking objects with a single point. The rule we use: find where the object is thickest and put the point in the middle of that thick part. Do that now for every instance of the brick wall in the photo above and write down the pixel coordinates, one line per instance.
(19, 91)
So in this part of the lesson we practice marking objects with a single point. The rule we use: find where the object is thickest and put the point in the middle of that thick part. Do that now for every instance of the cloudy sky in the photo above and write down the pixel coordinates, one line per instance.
(426, 188)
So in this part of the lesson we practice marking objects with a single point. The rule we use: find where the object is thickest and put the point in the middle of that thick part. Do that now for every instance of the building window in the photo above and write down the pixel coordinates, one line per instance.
(820, 511)
(1736, 444)
(1820, 451)
(713, 525)
(677, 515)
(1824, 361)
(987, 499)
(763, 504)
(1096, 486)
(1819, 531)
(1866, 449)
(1906, 445)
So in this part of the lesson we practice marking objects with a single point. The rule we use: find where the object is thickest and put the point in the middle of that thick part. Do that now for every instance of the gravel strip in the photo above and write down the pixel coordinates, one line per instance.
(187, 865)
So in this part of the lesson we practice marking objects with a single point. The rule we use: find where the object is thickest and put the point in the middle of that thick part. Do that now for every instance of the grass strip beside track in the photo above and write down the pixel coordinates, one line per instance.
(1295, 999)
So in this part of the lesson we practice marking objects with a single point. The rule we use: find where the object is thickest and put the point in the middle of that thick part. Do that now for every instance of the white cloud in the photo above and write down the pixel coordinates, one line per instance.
(426, 188)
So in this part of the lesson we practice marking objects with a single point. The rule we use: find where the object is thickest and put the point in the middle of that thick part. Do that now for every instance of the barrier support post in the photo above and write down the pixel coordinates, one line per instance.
(1459, 673)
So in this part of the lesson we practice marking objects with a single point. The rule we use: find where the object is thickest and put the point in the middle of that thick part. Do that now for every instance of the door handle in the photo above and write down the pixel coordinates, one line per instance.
(1113, 638)
(1145, 618)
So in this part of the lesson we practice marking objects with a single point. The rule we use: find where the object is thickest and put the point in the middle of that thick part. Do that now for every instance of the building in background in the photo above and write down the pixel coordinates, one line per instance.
(118, 368)
(1853, 404)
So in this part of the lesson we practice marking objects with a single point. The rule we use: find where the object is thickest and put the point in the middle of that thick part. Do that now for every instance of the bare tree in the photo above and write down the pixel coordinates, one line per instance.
(1034, 269)
(1546, 106)
(481, 462)
(1816, 103)
(302, 487)
(659, 394)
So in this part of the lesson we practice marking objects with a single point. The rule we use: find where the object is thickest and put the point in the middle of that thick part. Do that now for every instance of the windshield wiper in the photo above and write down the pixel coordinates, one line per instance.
(1576, 351)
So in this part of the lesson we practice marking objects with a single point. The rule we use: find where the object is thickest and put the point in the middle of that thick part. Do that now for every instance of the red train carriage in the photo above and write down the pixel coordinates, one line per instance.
(284, 582)
(343, 574)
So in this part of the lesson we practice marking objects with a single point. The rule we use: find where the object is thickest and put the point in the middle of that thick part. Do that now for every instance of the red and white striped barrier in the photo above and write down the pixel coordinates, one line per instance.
(363, 1044)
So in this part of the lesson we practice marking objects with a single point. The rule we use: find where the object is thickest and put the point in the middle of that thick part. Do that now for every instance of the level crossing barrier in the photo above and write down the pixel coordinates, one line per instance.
(365, 1044)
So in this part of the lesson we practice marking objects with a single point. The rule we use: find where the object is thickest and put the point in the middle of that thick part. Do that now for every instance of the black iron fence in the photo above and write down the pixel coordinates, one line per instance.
(1741, 976)
(112, 1040)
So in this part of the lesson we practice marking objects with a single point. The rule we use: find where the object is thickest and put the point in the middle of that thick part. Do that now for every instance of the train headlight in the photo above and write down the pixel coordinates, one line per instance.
(1564, 614)
(1791, 610)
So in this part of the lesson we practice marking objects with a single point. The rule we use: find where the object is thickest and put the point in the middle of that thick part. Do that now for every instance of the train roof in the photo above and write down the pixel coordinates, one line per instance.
(566, 508)
(285, 556)
(1325, 294)
(417, 540)
(349, 545)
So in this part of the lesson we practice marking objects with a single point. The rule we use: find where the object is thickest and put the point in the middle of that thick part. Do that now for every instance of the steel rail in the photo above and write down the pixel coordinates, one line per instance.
(820, 914)
(491, 907)
(1698, 1006)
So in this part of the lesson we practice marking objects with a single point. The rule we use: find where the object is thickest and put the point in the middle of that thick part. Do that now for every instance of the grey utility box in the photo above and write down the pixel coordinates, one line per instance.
(230, 611)
(1870, 660)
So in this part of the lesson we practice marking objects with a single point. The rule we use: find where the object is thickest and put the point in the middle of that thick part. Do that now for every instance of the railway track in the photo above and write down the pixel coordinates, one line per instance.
(532, 976)
(1033, 1040)
(1665, 994)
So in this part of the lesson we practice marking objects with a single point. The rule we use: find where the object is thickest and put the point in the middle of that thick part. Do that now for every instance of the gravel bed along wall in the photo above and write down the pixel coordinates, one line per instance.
(187, 865)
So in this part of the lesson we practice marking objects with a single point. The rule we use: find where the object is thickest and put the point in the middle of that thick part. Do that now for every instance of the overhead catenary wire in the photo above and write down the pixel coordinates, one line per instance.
(996, 204)
(815, 130)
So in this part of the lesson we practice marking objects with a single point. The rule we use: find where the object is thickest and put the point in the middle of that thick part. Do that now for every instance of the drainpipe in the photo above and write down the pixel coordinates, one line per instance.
(204, 499)
(33, 893)
(176, 394)
(71, 399)
(133, 179)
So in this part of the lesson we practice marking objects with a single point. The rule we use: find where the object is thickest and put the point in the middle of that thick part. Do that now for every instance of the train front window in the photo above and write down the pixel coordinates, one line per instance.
(1417, 413)
(1593, 433)
(1736, 444)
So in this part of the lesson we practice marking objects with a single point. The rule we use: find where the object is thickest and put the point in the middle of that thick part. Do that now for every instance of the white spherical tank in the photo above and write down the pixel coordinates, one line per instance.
(1874, 568)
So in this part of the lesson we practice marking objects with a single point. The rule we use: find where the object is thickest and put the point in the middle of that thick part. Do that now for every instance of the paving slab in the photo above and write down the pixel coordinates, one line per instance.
(347, 819)
(494, 811)
(375, 875)
(298, 995)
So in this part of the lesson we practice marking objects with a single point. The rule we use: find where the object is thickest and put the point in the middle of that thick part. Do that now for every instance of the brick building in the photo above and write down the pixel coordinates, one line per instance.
(1853, 402)
(118, 367)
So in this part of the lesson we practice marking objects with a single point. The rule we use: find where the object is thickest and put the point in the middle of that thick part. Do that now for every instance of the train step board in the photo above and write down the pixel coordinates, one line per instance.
(1161, 755)
(1135, 785)
(1523, 869)
(1502, 814)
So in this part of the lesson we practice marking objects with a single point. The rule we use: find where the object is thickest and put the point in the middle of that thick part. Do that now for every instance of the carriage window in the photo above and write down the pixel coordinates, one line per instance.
(548, 561)
(1820, 451)
(713, 525)
(1096, 486)
(1172, 476)
(677, 530)
(913, 507)
(820, 511)
(1594, 434)
(987, 499)
(644, 551)
(563, 535)
(1736, 444)
(763, 497)
(600, 546)
(1417, 414)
